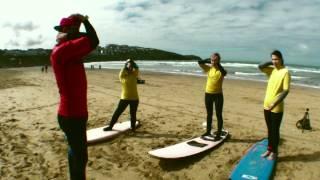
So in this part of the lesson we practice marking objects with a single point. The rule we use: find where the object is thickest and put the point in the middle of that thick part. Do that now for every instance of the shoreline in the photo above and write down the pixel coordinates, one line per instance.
(203, 75)
(303, 76)
(178, 74)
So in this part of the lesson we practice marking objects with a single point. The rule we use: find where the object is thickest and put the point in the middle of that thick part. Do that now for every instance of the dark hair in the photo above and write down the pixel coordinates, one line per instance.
(218, 55)
(279, 55)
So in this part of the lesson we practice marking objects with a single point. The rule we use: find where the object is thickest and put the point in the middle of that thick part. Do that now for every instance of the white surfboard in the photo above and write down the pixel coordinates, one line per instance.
(188, 148)
(97, 134)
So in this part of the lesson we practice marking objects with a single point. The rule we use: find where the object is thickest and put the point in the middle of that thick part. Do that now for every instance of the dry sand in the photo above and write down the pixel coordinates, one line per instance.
(171, 110)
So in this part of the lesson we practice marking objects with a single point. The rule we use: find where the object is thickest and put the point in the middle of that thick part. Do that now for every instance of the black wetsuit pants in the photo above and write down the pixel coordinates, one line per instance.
(217, 99)
(121, 107)
(75, 131)
(273, 121)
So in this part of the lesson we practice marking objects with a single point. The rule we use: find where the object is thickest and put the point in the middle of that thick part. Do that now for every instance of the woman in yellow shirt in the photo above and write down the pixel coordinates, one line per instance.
(277, 89)
(129, 95)
(213, 93)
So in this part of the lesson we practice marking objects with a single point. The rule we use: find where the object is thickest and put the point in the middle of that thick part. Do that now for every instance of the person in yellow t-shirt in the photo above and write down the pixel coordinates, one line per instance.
(213, 94)
(129, 94)
(277, 89)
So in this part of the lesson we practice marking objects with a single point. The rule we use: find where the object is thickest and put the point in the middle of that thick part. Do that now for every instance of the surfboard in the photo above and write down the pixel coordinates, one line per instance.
(97, 134)
(252, 166)
(188, 148)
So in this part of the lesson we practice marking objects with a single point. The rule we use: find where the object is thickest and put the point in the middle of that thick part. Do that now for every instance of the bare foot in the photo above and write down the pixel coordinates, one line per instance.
(272, 156)
(265, 154)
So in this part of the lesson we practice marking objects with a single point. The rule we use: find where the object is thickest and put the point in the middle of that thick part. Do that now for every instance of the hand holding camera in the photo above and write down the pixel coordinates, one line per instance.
(130, 65)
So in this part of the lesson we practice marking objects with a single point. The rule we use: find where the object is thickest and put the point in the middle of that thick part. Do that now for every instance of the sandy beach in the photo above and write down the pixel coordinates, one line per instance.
(171, 110)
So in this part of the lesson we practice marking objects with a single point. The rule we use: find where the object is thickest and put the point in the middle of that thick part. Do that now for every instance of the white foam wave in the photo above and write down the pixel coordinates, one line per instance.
(239, 65)
(298, 77)
(248, 74)
(301, 75)
(307, 70)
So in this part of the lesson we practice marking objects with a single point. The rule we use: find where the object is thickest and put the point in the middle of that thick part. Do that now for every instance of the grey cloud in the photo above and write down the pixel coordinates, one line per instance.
(5, 25)
(229, 26)
(131, 15)
(34, 42)
(165, 1)
(18, 27)
(144, 5)
(28, 43)
(13, 43)
(28, 26)
(256, 5)
(121, 6)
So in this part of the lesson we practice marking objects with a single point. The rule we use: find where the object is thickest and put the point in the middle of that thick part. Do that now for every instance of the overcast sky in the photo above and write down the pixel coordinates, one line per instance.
(239, 29)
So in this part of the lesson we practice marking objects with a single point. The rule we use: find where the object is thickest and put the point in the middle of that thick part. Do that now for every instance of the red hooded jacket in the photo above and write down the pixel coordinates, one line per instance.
(67, 63)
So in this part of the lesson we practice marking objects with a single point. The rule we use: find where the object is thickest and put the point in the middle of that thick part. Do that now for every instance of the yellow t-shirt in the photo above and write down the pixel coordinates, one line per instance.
(214, 79)
(279, 80)
(129, 84)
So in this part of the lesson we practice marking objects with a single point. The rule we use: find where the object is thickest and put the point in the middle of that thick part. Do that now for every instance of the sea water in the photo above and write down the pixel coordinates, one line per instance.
(300, 75)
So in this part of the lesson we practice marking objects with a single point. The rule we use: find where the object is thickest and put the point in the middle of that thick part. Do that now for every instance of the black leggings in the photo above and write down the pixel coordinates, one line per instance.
(75, 130)
(121, 107)
(273, 121)
(217, 99)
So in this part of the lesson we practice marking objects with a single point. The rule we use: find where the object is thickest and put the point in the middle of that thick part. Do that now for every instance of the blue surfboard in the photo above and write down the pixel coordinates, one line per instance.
(254, 167)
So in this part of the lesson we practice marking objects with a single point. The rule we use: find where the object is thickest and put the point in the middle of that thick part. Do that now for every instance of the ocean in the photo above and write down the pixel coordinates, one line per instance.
(300, 75)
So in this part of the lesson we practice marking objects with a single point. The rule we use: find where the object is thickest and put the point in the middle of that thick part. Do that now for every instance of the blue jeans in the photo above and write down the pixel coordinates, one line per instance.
(75, 131)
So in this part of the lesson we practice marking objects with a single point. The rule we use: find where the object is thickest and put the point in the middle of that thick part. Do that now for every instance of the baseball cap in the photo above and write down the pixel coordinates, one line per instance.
(69, 21)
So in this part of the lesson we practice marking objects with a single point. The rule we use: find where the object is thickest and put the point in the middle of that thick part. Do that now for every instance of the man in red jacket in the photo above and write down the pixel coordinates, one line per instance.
(67, 63)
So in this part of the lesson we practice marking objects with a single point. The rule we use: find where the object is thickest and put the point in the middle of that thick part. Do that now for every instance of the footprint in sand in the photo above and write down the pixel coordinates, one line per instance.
(12, 120)
(12, 108)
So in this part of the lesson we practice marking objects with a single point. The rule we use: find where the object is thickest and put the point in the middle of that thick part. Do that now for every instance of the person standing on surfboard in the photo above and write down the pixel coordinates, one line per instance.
(277, 89)
(67, 63)
(213, 93)
(129, 96)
